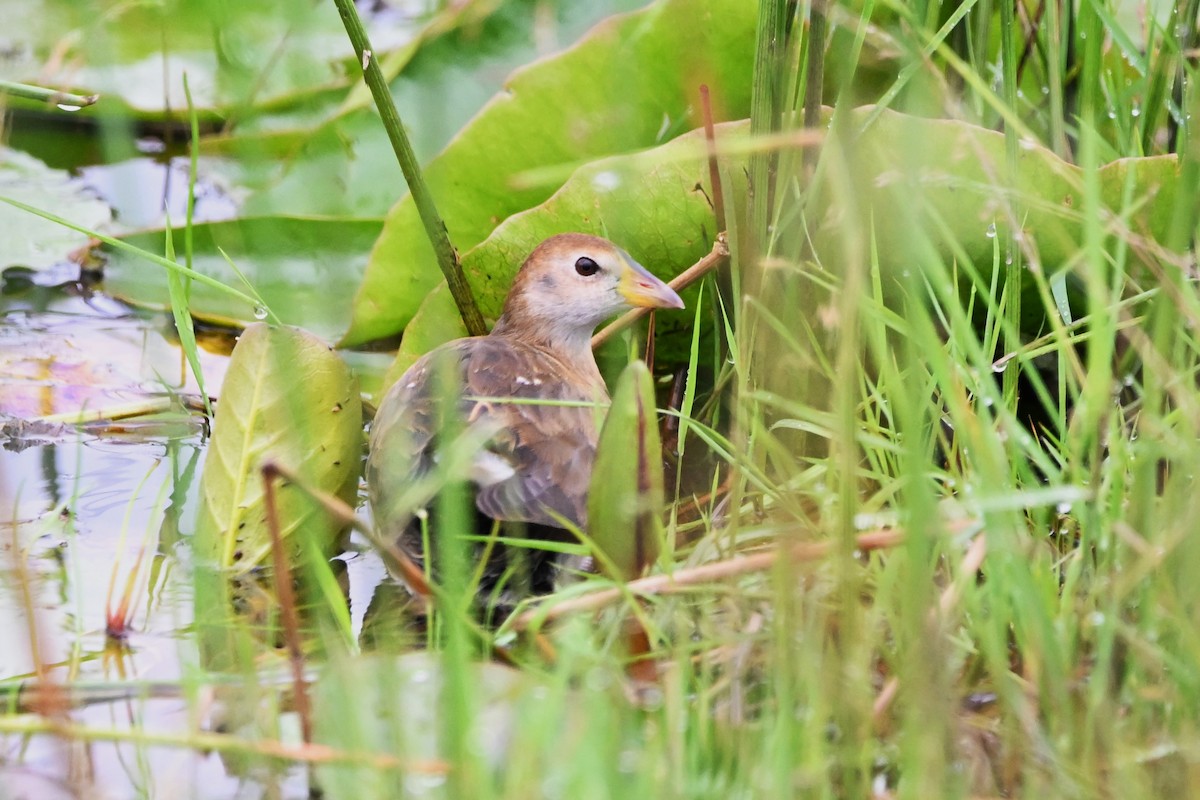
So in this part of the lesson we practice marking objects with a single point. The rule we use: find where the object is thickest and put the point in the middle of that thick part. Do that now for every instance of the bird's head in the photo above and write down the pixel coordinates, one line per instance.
(572, 282)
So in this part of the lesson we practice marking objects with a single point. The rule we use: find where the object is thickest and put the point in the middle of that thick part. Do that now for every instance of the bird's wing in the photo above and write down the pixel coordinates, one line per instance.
(547, 432)
(536, 458)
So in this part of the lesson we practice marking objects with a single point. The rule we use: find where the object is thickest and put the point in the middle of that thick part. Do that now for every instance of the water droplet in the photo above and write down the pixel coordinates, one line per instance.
(260, 312)
(1063, 507)
(606, 181)
(1001, 365)
(68, 107)
(991, 231)
(1137, 112)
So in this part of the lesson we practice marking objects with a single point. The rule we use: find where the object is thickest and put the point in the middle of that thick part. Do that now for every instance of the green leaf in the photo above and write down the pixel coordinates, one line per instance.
(951, 178)
(289, 399)
(305, 269)
(630, 83)
(457, 64)
(625, 497)
(237, 55)
(39, 243)
(655, 204)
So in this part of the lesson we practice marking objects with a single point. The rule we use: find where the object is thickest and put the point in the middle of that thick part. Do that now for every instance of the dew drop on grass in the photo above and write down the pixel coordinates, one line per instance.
(1063, 507)
(68, 107)
(991, 231)
(260, 312)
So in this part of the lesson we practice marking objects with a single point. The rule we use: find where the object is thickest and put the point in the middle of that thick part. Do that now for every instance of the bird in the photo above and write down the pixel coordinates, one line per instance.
(528, 394)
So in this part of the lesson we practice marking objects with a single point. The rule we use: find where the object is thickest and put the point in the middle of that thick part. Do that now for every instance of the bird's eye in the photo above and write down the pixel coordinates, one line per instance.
(586, 267)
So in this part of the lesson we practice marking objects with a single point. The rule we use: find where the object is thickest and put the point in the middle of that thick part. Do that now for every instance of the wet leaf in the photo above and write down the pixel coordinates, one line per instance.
(304, 268)
(288, 398)
(26, 240)
(630, 83)
(625, 498)
(337, 141)
(236, 55)
(654, 204)
(950, 179)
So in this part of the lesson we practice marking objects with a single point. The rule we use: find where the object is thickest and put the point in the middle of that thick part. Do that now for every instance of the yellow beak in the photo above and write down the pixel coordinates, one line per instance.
(640, 288)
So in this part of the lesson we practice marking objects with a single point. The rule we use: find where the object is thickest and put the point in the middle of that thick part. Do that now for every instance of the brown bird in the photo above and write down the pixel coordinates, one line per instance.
(532, 462)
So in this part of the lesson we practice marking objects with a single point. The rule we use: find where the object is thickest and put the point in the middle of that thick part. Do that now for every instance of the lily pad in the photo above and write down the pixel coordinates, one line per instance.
(655, 204)
(236, 55)
(450, 71)
(944, 176)
(305, 269)
(289, 399)
(32, 242)
(952, 180)
(630, 83)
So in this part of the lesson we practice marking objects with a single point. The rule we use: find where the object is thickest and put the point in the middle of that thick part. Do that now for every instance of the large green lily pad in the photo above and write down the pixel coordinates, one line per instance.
(32, 242)
(235, 55)
(654, 204)
(945, 177)
(630, 83)
(305, 269)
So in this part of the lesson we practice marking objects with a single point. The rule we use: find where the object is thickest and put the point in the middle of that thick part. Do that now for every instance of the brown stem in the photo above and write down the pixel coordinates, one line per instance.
(287, 602)
(718, 256)
(710, 141)
(742, 565)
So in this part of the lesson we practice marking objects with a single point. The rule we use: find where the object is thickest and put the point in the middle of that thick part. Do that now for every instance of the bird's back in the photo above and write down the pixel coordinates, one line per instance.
(527, 434)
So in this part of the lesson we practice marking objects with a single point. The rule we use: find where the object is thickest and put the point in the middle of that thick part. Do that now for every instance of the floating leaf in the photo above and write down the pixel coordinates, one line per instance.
(28, 241)
(625, 498)
(630, 83)
(304, 268)
(952, 180)
(449, 73)
(236, 55)
(655, 204)
(289, 399)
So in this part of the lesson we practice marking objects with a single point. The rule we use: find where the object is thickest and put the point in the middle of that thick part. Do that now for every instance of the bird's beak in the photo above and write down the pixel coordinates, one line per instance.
(640, 288)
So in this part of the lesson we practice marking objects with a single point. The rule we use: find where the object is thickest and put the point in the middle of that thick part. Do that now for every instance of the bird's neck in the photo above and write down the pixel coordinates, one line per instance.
(569, 344)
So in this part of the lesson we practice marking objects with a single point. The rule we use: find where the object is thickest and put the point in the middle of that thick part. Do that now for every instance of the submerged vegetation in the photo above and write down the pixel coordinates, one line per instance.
(928, 426)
